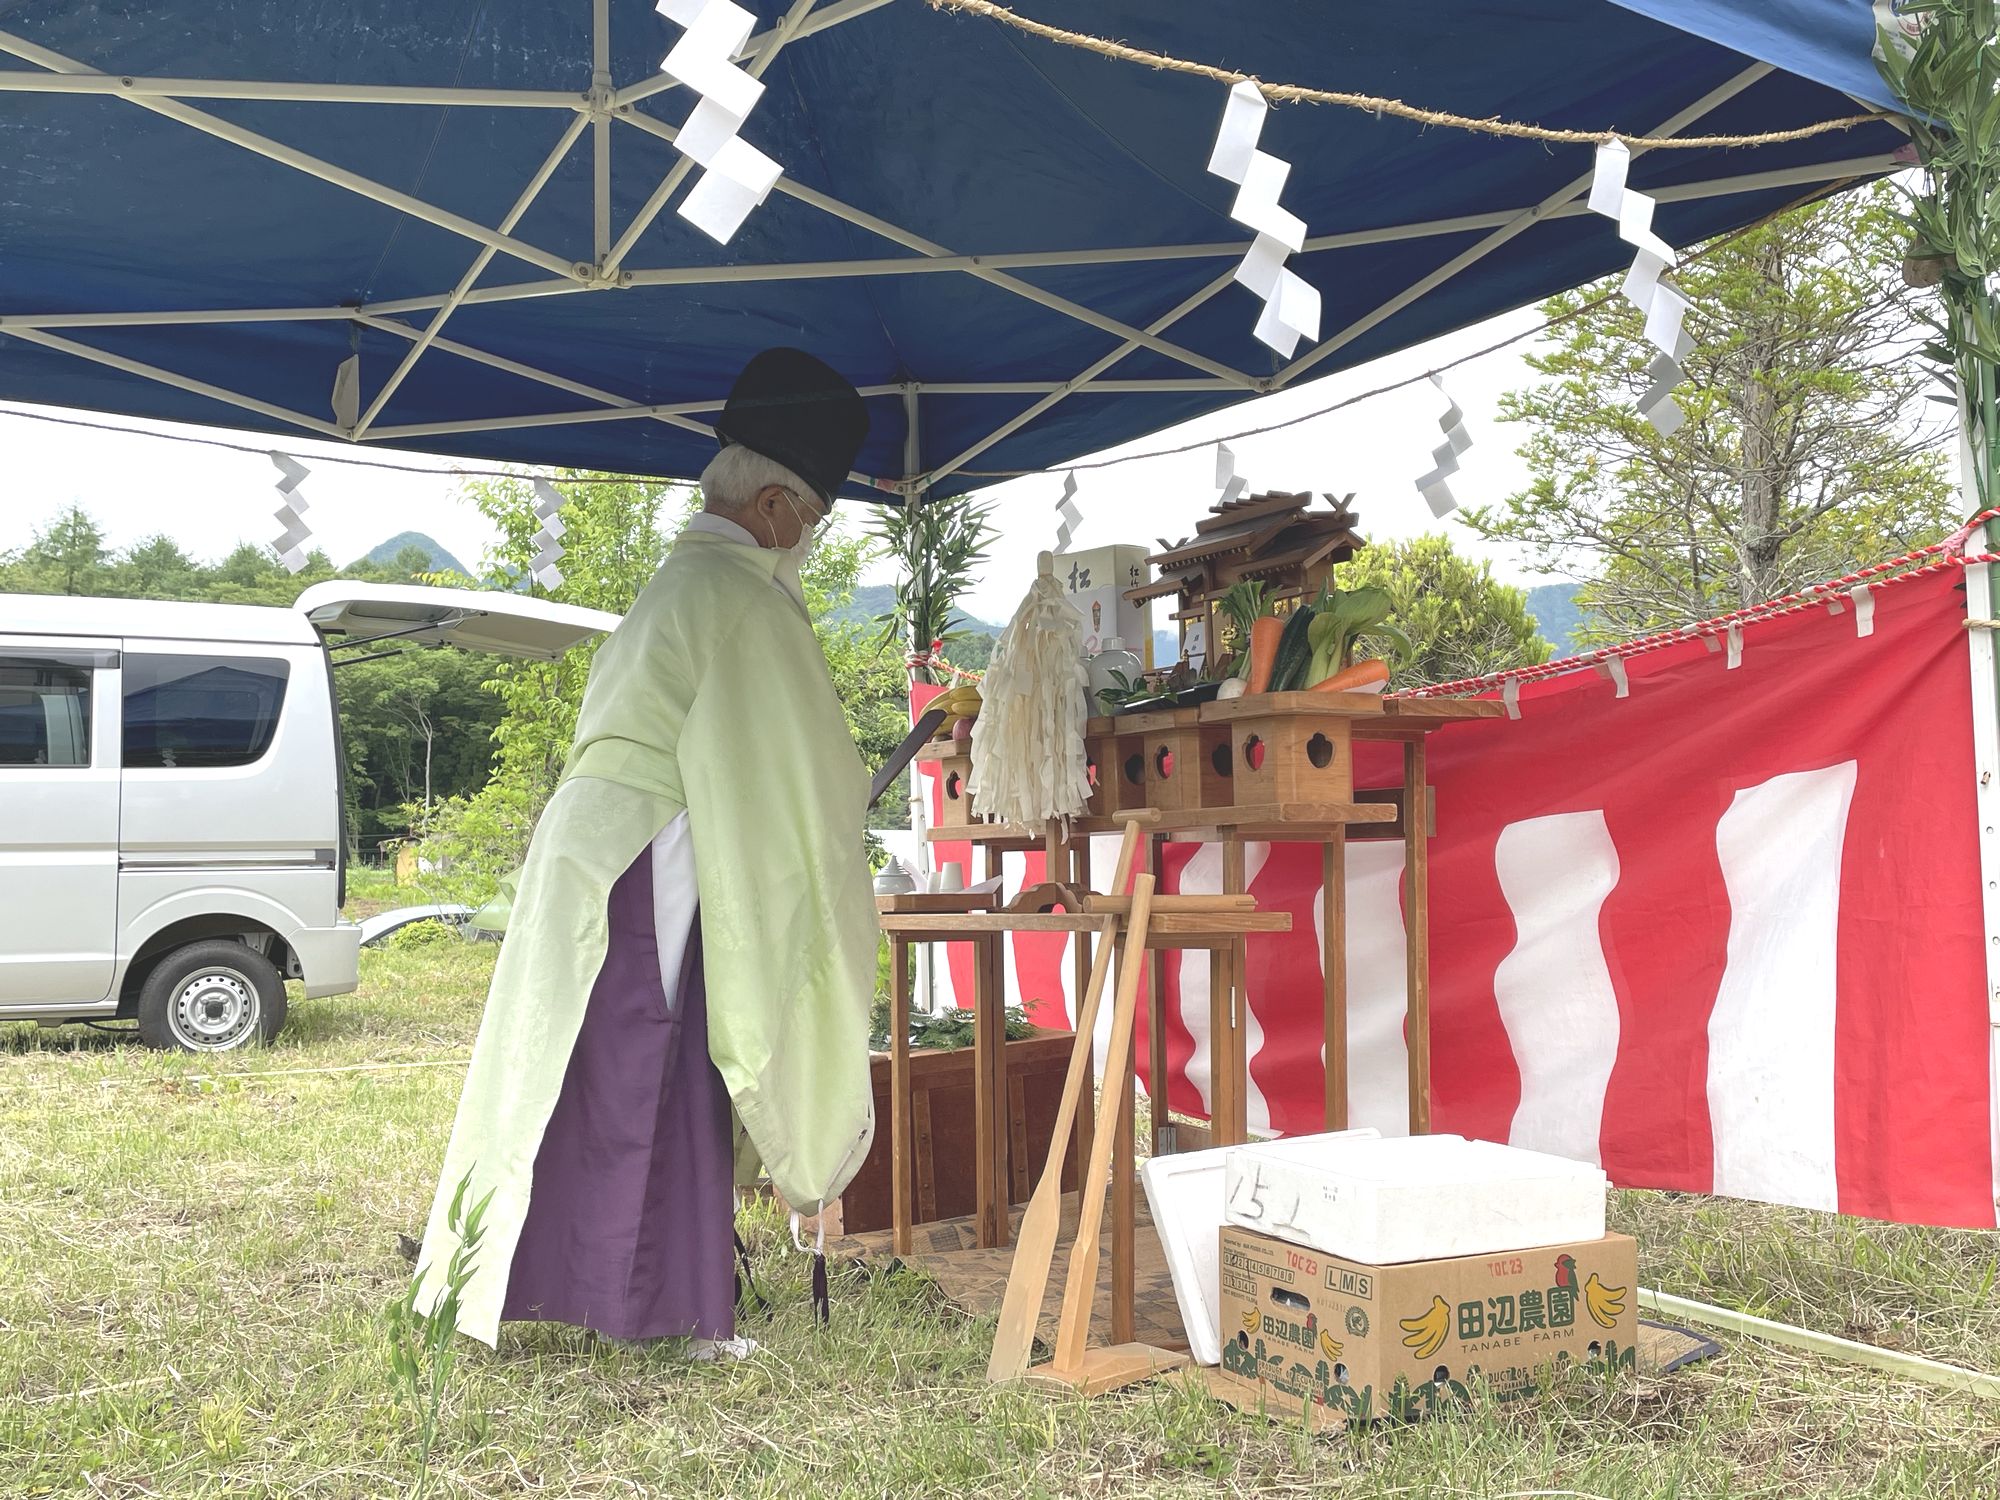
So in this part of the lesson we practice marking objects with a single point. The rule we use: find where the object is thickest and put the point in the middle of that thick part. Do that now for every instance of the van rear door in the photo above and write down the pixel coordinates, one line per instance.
(352, 616)
(59, 718)
(349, 613)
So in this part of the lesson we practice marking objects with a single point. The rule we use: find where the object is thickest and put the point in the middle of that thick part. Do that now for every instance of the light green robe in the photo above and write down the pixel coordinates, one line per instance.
(712, 696)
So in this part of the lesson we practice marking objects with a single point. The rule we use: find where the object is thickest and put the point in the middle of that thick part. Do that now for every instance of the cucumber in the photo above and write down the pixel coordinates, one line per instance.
(1288, 673)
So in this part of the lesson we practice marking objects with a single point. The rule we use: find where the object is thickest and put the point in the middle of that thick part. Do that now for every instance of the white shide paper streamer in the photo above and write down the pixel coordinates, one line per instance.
(548, 540)
(347, 392)
(736, 177)
(1661, 302)
(1227, 480)
(290, 514)
(1068, 517)
(1444, 458)
(1291, 303)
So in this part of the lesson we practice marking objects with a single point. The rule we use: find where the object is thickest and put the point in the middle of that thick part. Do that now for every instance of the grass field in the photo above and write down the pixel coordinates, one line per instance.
(194, 1257)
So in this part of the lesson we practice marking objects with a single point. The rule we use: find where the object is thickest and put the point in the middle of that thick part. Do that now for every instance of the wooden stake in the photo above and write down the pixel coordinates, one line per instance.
(1417, 920)
(1333, 971)
(1156, 1020)
(1034, 1253)
(899, 1094)
(1080, 1293)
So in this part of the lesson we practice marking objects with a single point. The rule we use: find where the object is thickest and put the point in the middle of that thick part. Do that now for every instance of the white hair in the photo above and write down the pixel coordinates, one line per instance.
(734, 477)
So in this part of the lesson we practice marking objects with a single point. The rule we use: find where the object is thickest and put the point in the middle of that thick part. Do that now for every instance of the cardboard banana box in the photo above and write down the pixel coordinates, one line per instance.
(1339, 1340)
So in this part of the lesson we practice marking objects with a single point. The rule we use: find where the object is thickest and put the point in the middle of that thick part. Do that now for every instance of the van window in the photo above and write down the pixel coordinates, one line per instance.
(200, 712)
(44, 712)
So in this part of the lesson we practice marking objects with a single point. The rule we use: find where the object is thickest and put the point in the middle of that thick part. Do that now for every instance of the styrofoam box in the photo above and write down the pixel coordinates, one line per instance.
(1425, 1197)
(1185, 1193)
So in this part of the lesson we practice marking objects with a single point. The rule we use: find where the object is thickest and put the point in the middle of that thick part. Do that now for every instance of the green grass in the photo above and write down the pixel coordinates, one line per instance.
(193, 1267)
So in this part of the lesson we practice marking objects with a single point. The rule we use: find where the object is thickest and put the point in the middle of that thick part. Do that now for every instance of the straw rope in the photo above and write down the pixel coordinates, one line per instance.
(1375, 104)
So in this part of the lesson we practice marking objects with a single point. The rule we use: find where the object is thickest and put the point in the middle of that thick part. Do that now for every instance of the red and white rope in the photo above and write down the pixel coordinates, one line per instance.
(1937, 558)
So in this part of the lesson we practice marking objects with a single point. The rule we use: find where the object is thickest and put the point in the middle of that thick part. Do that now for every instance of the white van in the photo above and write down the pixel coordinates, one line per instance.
(172, 847)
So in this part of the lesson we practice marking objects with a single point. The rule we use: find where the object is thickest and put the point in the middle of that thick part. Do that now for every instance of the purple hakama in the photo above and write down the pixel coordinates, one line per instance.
(630, 1223)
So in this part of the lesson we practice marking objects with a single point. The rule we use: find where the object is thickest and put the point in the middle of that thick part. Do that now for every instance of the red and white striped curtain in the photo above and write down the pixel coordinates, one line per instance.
(1721, 934)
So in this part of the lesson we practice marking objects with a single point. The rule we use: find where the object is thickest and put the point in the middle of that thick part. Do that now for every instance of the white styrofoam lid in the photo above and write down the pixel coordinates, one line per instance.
(1422, 1160)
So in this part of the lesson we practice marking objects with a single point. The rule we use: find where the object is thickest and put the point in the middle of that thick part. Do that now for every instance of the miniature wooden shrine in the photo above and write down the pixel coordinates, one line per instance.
(1277, 539)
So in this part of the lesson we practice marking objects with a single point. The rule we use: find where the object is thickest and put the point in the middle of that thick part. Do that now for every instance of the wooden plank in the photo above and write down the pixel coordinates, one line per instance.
(1417, 923)
(1110, 1369)
(1080, 1290)
(1124, 1179)
(985, 1108)
(1292, 705)
(973, 898)
(995, 1020)
(1445, 710)
(1156, 1016)
(943, 927)
(1082, 956)
(1254, 508)
(1219, 1071)
(1095, 904)
(1333, 977)
(1303, 821)
(924, 1144)
(899, 1095)
(1017, 1139)
(1234, 883)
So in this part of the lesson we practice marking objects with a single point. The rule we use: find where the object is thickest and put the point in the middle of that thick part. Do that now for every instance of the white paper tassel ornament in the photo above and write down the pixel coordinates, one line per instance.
(1028, 763)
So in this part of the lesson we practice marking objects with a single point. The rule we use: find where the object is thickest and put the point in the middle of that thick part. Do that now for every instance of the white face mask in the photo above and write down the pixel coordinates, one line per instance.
(797, 554)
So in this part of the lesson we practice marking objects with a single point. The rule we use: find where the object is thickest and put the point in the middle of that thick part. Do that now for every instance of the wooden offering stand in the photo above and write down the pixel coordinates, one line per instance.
(1275, 767)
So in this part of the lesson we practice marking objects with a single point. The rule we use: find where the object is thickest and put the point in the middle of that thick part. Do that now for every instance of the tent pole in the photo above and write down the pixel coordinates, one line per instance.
(621, 404)
(1032, 293)
(478, 267)
(826, 20)
(1527, 219)
(1096, 367)
(913, 265)
(774, 42)
(291, 93)
(600, 128)
(919, 811)
(181, 382)
(301, 161)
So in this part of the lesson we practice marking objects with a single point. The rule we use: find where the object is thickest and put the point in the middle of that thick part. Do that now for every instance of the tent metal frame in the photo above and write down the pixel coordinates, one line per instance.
(605, 106)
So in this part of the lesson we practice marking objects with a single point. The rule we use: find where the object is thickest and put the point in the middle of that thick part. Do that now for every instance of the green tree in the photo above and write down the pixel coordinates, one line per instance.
(1462, 621)
(68, 556)
(612, 545)
(156, 569)
(1805, 452)
(418, 728)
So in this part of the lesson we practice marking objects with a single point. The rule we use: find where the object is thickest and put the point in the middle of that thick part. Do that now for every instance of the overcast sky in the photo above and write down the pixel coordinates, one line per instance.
(137, 483)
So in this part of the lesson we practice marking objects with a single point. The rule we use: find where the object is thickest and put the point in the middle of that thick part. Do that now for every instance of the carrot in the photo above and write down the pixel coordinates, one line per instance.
(1265, 633)
(1367, 676)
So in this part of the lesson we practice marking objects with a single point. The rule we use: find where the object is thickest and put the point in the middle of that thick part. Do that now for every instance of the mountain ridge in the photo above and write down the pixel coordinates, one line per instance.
(441, 559)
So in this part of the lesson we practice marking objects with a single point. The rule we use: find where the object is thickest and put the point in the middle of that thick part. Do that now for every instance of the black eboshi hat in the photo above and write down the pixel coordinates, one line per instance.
(798, 411)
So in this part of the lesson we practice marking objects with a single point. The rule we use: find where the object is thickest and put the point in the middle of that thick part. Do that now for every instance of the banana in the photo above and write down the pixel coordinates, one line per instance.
(1426, 1334)
(1604, 1303)
(1250, 1321)
(1329, 1345)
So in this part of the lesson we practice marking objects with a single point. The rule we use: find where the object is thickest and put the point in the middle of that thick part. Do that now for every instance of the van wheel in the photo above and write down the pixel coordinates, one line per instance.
(211, 997)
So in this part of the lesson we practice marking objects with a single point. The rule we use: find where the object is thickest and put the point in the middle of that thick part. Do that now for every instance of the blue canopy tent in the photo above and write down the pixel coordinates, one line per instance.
(1013, 246)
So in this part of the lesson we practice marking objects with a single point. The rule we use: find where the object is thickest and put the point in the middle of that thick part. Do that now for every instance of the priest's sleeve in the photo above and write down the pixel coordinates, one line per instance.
(776, 799)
